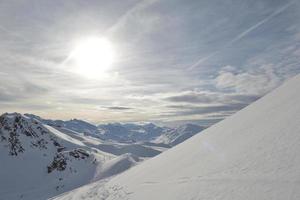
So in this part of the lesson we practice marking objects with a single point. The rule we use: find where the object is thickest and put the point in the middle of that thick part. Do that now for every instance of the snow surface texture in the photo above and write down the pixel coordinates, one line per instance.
(253, 154)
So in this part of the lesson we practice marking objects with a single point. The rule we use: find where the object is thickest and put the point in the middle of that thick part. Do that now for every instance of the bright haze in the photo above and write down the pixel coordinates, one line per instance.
(169, 61)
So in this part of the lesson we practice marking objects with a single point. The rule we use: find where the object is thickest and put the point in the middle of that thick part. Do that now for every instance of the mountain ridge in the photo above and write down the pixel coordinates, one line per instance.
(127, 132)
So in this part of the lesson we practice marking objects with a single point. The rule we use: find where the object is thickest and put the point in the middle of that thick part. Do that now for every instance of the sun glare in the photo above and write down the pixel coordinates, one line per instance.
(92, 56)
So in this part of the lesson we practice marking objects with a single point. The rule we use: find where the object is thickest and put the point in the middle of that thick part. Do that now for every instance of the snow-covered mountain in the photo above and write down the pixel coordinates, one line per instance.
(139, 139)
(130, 132)
(254, 154)
(77, 125)
(38, 161)
(149, 132)
(126, 132)
(177, 135)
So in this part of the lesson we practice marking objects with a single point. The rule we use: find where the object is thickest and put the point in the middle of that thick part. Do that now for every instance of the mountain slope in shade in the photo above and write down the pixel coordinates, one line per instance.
(253, 154)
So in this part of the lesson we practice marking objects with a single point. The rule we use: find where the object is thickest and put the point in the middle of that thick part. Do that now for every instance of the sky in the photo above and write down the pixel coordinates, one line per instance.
(176, 61)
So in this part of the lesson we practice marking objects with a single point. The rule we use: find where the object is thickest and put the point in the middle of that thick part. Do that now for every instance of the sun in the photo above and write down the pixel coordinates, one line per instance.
(92, 56)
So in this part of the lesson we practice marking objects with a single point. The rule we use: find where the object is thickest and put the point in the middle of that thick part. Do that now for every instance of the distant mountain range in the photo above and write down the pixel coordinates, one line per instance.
(127, 132)
(58, 156)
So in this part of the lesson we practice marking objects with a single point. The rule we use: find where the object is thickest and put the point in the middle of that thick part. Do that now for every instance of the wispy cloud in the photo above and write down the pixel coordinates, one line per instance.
(243, 34)
(256, 82)
(200, 110)
(131, 13)
(118, 108)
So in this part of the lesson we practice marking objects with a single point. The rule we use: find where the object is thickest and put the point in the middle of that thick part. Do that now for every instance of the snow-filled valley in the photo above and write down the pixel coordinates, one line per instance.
(254, 154)
(42, 158)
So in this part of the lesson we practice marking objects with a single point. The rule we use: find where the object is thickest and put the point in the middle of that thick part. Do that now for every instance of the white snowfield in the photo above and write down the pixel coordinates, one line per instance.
(254, 154)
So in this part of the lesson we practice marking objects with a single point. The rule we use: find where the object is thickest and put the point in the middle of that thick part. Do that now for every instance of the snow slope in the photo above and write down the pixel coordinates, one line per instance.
(253, 154)
(179, 134)
(143, 150)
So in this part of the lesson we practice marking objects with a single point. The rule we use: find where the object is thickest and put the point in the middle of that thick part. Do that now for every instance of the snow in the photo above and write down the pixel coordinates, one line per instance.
(253, 154)
(25, 172)
(116, 166)
(36, 149)
(115, 148)
(38, 161)
(135, 149)
(179, 134)
(64, 136)
(128, 132)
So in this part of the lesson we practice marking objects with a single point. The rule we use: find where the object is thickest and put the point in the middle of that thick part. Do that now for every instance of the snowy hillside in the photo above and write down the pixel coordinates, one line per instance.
(38, 161)
(179, 134)
(142, 150)
(253, 154)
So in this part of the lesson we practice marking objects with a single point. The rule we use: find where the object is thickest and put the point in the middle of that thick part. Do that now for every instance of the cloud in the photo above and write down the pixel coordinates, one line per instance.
(254, 81)
(205, 97)
(206, 104)
(118, 108)
(191, 97)
(132, 13)
(201, 122)
(244, 33)
(265, 20)
(200, 110)
(30, 106)
(154, 41)
(241, 98)
(19, 90)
